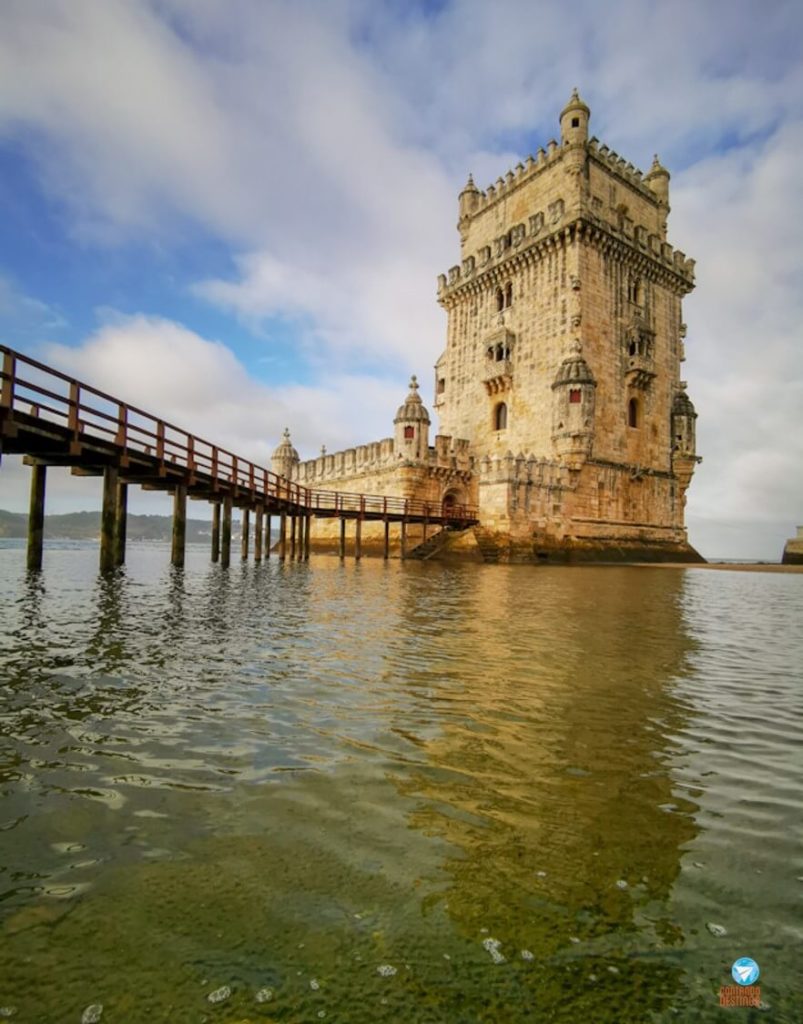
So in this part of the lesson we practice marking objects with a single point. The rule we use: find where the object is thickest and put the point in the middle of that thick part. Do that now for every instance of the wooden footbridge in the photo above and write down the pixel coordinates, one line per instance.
(53, 420)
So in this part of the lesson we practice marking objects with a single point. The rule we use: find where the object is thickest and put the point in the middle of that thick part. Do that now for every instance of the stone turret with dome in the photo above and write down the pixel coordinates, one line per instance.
(285, 459)
(412, 423)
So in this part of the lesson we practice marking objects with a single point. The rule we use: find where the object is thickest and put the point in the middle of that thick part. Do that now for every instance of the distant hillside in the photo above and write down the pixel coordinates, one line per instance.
(86, 526)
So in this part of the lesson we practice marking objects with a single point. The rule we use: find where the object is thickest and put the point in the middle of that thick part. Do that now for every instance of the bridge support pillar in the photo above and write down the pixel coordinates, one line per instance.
(216, 531)
(267, 536)
(307, 539)
(342, 548)
(36, 517)
(121, 524)
(179, 525)
(426, 524)
(258, 532)
(225, 546)
(404, 539)
(386, 550)
(246, 529)
(282, 536)
(108, 519)
(358, 540)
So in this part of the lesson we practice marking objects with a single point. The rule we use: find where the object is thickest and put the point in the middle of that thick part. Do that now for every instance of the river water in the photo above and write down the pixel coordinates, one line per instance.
(397, 792)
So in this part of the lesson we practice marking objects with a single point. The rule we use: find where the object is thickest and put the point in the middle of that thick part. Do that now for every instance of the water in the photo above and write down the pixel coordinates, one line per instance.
(373, 792)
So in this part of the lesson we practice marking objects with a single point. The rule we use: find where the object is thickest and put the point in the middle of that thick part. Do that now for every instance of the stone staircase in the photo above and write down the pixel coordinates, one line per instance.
(489, 549)
(431, 546)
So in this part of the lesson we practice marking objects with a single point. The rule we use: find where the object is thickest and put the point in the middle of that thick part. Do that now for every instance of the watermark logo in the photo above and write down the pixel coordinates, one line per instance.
(745, 971)
(745, 992)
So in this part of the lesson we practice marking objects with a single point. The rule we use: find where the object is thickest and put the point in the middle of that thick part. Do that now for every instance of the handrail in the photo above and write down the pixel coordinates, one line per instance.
(174, 446)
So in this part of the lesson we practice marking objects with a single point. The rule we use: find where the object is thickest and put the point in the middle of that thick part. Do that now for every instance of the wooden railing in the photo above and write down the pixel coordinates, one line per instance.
(87, 414)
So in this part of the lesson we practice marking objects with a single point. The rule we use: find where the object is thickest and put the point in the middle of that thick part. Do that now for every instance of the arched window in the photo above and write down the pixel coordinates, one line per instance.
(500, 417)
(509, 294)
(409, 433)
(632, 412)
(575, 396)
(500, 300)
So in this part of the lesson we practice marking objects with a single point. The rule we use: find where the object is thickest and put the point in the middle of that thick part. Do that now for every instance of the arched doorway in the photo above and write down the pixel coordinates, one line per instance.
(452, 499)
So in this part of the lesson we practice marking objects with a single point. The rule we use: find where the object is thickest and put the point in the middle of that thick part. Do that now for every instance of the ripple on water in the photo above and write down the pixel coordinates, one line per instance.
(277, 771)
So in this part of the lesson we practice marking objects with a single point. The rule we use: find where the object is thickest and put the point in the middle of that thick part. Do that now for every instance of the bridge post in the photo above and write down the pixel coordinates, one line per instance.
(225, 548)
(358, 540)
(403, 539)
(342, 549)
(36, 517)
(258, 532)
(179, 525)
(386, 552)
(282, 536)
(307, 532)
(215, 531)
(293, 520)
(426, 524)
(267, 536)
(121, 525)
(246, 528)
(108, 519)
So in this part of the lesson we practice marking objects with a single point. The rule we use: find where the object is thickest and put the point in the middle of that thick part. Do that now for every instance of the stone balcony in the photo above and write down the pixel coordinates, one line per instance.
(498, 376)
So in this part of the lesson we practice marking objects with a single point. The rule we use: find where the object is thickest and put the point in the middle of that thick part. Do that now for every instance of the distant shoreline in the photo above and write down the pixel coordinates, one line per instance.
(726, 566)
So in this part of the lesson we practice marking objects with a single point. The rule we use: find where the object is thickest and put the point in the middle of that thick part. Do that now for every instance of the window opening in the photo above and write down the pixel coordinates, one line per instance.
(500, 417)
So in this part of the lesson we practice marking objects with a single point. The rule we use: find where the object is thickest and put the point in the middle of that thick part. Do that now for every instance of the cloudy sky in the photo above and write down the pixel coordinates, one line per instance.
(233, 212)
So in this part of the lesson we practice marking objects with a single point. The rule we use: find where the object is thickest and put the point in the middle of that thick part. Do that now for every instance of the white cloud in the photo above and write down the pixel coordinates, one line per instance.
(199, 385)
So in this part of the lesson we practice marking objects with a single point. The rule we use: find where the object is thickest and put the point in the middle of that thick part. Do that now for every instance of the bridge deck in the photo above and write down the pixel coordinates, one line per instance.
(56, 420)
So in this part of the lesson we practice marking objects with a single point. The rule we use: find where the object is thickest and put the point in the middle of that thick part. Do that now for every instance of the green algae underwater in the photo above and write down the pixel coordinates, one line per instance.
(395, 792)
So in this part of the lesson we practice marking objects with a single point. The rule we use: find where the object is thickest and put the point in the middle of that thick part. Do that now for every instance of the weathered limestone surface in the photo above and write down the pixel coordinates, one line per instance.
(562, 413)
(793, 549)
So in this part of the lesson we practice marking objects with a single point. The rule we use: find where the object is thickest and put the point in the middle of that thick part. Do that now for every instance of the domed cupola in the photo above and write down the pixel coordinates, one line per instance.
(684, 443)
(285, 458)
(684, 431)
(573, 401)
(574, 120)
(412, 426)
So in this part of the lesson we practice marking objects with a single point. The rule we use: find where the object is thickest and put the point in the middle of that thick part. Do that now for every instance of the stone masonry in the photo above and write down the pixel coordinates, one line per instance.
(562, 413)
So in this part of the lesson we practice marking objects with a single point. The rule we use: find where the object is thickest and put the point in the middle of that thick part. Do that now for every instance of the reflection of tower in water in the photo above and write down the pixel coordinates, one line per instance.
(551, 769)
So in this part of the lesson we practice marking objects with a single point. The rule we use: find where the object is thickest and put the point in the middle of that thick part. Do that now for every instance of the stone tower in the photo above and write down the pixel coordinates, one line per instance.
(564, 344)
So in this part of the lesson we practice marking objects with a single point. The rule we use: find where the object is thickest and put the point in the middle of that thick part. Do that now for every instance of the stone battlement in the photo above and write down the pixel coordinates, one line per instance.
(447, 453)
(528, 237)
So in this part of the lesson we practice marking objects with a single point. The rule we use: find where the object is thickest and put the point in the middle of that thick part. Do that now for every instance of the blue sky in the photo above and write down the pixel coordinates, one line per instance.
(235, 213)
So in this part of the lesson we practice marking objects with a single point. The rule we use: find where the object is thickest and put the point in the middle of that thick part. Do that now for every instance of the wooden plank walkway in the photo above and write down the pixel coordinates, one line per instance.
(55, 420)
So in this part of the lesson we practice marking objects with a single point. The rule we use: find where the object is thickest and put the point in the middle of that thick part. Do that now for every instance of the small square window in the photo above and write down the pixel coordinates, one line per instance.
(575, 122)
(409, 433)
(574, 396)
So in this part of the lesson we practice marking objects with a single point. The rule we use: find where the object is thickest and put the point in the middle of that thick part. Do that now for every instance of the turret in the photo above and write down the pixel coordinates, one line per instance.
(684, 445)
(467, 201)
(573, 401)
(657, 178)
(412, 427)
(683, 423)
(285, 459)
(574, 120)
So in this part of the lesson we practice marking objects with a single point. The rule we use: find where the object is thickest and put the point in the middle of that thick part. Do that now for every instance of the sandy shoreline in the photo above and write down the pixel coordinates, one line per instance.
(727, 566)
